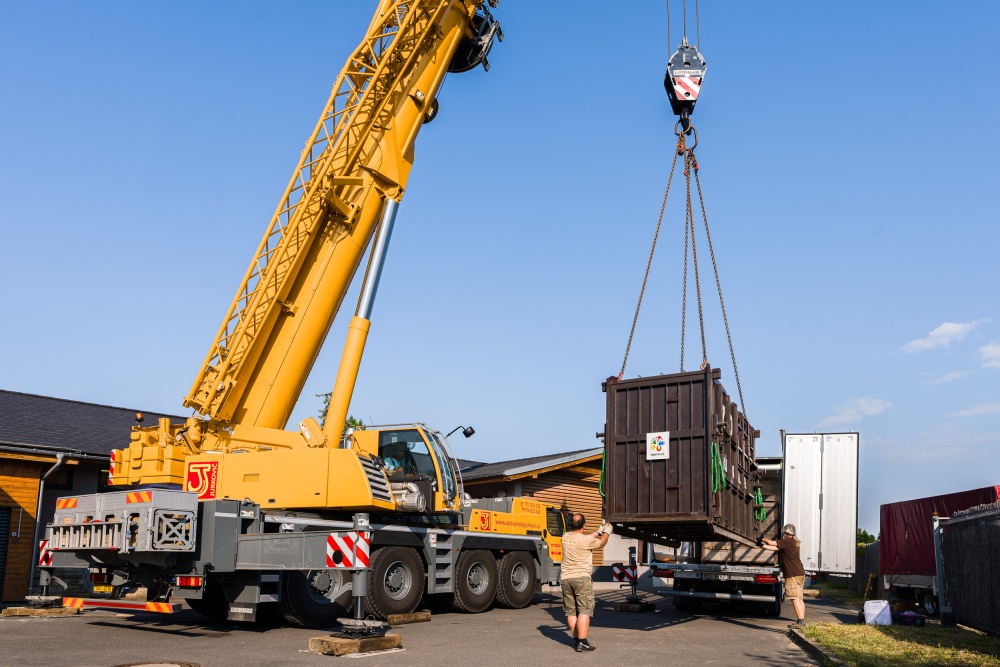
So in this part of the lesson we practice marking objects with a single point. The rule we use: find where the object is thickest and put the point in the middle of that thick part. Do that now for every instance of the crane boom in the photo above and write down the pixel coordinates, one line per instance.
(345, 189)
(358, 156)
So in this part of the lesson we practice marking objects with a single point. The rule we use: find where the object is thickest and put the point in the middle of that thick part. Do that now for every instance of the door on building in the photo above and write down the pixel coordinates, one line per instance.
(4, 537)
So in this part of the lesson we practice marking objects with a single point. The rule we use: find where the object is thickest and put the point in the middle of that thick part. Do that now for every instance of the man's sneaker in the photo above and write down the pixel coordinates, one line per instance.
(585, 646)
(797, 625)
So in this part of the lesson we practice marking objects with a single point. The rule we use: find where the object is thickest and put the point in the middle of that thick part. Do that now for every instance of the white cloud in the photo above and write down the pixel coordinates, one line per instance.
(978, 410)
(944, 335)
(944, 446)
(852, 412)
(952, 376)
(990, 354)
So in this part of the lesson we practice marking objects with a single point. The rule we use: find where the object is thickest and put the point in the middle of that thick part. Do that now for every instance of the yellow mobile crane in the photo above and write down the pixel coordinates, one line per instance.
(344, 191)
(268, 515)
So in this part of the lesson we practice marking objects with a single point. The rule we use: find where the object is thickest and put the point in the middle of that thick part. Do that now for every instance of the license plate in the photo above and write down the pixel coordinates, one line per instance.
(104, 588)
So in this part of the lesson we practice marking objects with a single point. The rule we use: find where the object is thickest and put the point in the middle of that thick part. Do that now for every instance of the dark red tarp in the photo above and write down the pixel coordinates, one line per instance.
(906, 543)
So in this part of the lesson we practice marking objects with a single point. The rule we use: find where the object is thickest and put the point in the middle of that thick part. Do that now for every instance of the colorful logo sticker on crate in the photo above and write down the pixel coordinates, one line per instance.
(658, 446)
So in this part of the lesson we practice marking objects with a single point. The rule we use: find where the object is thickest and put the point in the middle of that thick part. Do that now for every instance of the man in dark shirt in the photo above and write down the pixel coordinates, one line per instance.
(791, 567)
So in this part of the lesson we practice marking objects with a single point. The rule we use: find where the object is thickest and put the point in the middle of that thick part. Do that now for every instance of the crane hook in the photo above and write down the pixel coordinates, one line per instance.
(685, 74)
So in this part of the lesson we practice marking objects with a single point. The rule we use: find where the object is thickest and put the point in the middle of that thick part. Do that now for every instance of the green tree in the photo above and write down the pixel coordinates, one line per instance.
(864, 537)
(352, 421)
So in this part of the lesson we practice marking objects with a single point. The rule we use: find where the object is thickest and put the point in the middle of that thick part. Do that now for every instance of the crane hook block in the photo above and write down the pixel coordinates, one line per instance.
(685, 72)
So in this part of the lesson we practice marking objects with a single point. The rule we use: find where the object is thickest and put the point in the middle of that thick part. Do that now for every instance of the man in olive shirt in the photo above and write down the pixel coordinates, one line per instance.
(575, 572)
(791, 567)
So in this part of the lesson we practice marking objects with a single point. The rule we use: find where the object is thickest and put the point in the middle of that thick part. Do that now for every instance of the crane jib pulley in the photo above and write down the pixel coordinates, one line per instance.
(685, 74)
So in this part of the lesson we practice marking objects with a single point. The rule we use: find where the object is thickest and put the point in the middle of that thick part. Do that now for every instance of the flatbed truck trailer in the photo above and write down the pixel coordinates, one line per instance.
(813, 485)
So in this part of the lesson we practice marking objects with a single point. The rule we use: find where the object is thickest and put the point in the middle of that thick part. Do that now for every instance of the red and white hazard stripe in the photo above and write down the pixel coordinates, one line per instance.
(624, 573)
(348, 550)
(44, 554)
(687, 87)
(111, 469)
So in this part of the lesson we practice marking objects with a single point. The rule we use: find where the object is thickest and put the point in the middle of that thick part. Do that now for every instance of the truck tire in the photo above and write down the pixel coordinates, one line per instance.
(312, 599)
(475, 581)
(395, 582)
(212, 605)
(687, 604)
(929, 603)
(516, 580)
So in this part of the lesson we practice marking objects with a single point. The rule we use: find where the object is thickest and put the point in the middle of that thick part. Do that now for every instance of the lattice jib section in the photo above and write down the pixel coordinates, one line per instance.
(359, 107)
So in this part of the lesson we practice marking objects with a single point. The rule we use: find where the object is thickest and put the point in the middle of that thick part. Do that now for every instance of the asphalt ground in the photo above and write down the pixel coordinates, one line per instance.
(719, 635)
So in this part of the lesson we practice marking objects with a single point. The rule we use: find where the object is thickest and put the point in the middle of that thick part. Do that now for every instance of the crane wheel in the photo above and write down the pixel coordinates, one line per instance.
(516, 580)
(475, 581)
(395, 582)
(313, 598)
(212, 605)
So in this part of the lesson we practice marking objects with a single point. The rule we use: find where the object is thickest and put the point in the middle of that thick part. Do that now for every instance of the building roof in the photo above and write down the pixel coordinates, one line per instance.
(529, 466)
(43, 422)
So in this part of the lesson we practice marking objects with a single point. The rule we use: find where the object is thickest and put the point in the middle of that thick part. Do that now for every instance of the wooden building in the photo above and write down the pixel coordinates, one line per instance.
(568, 479)
(49, 447)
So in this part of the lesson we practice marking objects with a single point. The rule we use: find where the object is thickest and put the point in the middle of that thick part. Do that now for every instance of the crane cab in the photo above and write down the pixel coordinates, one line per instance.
(418, 464)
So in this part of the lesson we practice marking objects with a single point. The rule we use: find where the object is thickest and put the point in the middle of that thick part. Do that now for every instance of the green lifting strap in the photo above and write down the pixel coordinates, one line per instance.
(600, 484)
(758, 499)
(718, 471)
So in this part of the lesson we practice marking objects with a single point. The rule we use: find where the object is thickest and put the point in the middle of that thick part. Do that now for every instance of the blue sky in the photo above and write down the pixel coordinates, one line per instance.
(847, 154)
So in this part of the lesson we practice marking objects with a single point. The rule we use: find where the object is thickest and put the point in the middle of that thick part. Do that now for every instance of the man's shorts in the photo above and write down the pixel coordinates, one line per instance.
(578, 596)
(793, 587)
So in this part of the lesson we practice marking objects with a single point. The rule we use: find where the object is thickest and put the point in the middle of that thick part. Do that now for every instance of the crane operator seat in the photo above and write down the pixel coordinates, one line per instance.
(398, 460)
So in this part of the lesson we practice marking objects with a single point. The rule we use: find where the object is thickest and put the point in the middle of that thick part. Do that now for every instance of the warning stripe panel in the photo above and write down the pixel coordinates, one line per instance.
(687, 87)
(138, 497)
(623, 572)
(44, 554)
(155, 607)
(66, 503)
(348, 550)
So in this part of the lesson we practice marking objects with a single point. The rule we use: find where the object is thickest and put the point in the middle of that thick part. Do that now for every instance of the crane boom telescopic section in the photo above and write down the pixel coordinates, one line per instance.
(358, 155)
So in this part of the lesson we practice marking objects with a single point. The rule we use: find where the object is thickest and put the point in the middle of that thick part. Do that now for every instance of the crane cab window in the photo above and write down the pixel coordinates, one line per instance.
(406, 455)
(554, 520)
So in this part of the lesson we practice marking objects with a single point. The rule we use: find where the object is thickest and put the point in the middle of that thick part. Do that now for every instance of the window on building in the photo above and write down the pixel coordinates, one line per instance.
(61, 479)
(102, 480)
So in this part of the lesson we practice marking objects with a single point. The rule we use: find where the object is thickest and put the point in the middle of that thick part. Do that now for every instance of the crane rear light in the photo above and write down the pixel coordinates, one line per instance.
(663, 574)
(98, 578)
(188, 582)
(766, 579)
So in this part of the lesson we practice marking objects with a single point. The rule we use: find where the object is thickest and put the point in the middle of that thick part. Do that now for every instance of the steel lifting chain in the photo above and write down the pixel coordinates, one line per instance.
(690, 167)
(681, 150)
(691, 164)
(718, 285)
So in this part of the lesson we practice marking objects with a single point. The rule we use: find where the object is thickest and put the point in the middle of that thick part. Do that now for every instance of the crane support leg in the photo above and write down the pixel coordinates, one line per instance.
(357, 331)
